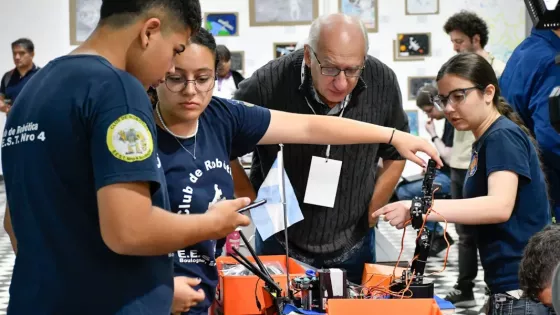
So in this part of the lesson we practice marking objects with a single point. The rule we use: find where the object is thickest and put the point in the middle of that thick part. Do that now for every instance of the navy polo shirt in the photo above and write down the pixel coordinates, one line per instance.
(226, 128)
(82, 125)
(529, 77)
(13, 82)
(505, 147)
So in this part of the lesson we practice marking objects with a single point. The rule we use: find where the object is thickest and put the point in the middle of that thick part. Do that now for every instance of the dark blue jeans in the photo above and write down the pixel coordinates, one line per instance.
(353, 263)
(414, 189)
(504, 304)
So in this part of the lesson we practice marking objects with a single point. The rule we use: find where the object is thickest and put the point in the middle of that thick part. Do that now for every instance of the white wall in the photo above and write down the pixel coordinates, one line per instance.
(47, 24)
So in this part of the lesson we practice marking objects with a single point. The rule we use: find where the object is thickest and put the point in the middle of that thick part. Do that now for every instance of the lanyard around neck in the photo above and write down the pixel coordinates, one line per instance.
(343, 104)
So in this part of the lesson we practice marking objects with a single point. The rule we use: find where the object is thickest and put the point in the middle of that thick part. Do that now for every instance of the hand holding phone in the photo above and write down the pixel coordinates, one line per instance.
(252, 205)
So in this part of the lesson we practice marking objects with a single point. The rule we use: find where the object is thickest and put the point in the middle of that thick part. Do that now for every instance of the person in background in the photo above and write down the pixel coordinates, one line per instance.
(332, 76)
(227, 79)
(540, 258)
(14, 80)
(506, 197)
(530, 75)
(91, 220)
(409, 190)
(468, 33)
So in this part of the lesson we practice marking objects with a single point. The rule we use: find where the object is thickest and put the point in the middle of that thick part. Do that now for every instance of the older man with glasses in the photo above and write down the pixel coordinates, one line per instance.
(332, 75)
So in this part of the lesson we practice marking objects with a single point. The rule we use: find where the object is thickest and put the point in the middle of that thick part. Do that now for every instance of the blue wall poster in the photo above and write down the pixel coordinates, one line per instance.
(222, 24)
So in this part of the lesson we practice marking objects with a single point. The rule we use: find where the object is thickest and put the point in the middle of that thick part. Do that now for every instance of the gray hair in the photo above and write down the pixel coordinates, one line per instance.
(301, 44)
(317, 25)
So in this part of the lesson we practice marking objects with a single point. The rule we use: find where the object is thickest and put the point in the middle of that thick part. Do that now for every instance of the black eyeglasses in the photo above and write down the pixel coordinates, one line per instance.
(177, 83)
(454, 97)
(334, 71)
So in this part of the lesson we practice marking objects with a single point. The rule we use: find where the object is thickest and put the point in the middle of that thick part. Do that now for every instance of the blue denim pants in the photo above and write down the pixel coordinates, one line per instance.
(504, 304)
(414, 189)
(352, 261)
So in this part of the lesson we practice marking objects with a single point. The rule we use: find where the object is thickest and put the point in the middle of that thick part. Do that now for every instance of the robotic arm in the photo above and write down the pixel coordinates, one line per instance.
(414, 278)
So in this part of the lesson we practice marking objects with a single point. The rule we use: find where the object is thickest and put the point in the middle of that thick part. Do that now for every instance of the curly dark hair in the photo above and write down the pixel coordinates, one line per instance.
(468, 23)
(540, 258)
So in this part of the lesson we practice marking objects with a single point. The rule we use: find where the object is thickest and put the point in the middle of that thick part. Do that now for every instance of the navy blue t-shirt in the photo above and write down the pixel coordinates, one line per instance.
(226, 128)
(505, 147)
(83, 125)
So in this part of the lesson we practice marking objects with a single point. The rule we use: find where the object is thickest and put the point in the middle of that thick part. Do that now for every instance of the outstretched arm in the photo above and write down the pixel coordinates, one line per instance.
(314, 129)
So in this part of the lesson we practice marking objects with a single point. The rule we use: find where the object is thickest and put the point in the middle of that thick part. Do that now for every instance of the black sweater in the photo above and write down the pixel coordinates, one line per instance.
(375, 99)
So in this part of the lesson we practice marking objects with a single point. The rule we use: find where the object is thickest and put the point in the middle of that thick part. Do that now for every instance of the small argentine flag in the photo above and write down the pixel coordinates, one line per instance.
(269, 218)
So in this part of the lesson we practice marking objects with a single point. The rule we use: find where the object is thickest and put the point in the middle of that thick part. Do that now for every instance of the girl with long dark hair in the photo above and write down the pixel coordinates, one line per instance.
(505, 191)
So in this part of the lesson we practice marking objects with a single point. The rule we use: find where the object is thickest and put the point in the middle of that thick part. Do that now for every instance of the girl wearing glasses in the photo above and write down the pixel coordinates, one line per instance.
(505, 190)
(197, 136)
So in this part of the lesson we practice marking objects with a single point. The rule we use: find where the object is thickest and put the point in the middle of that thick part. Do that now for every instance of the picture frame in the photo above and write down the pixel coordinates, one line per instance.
(282, 13)
(414, 46)
(396, 56)
(415, 83)
(413, 121)
(84, 16)
(238, 61)
(421, 7)
(366, 10)
(222, 24)
(281, 49)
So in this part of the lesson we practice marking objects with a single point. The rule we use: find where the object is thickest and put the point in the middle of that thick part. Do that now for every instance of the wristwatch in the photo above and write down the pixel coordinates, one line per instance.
(434, 138)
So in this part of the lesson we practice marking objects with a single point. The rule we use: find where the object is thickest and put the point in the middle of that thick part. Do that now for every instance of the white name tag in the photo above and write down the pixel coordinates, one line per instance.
(322, 183)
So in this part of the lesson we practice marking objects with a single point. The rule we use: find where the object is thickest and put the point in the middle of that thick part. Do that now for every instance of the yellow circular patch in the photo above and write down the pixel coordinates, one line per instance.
(129, 139)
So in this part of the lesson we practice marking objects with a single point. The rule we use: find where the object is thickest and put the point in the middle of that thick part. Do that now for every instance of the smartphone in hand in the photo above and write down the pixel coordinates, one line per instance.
(252, 205)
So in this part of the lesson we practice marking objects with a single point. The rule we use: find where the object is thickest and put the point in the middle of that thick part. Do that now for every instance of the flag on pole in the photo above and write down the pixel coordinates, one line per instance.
(269, 218)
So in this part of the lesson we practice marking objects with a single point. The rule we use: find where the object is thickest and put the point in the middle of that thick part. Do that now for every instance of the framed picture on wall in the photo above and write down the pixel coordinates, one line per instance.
(222, 23)
(413, 46)
(415, 83)
(238, 61)
(84, 16)
(421, 7)
(284, 13)
(413, 121)
(281, 49)
(366, 10)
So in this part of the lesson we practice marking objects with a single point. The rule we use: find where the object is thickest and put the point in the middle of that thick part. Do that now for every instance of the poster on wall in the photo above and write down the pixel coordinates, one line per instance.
(281, 49)
(413, 46)
(222, 24)
(84, 16)
(413, 121)
(415, 83)
(421, 7)
(282, 13)
(238, 61)
(366, 10)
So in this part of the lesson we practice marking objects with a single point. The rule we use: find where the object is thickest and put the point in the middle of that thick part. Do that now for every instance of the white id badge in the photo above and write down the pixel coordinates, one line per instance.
(322, 183)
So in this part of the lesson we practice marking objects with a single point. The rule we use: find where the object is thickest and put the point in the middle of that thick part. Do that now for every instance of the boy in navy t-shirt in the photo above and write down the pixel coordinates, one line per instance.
(85, 187)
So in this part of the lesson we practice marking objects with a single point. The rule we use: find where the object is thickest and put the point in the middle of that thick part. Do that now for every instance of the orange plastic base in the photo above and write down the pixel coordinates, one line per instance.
(236, 294)
(380, 275)
(382, 307)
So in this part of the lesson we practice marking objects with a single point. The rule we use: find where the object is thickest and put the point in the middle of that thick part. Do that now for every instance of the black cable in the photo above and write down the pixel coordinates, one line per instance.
(256, 296)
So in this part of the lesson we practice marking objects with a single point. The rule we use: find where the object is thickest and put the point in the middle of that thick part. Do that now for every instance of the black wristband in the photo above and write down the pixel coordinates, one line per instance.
(392, 134)
(434, 138)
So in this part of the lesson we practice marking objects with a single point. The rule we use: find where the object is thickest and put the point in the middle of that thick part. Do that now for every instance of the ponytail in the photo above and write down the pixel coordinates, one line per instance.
(505, 110)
